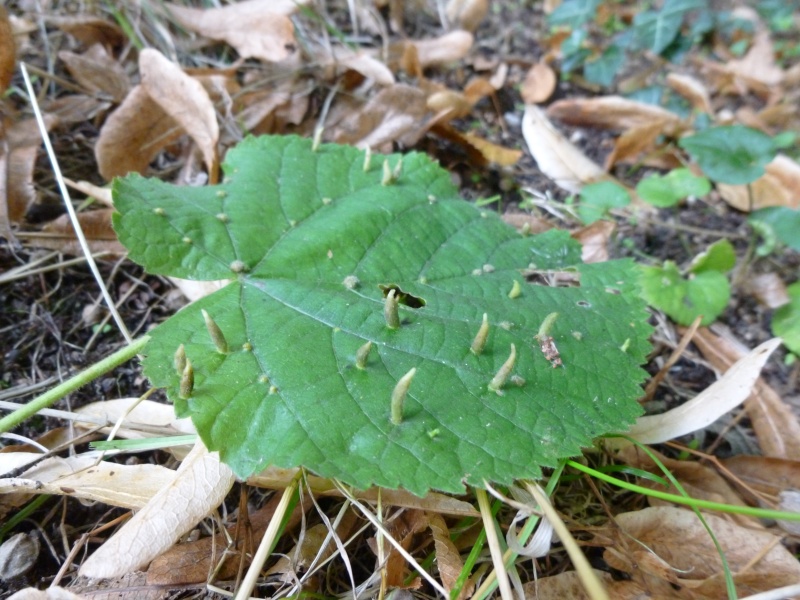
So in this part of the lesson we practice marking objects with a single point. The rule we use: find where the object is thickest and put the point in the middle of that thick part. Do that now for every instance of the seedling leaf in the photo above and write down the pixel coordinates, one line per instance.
(786, 320)
(784, 223)
(668, 190)
(731, 154)
(720, 256)
(598, 198)
(684, 299)
(314, 245)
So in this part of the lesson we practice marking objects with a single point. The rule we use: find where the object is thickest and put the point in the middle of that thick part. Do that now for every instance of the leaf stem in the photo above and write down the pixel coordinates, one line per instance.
(55, 394)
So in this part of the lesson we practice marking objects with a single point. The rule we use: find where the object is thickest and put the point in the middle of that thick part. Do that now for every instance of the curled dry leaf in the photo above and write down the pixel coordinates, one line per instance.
(146, 419)
(8, 51)
(133, 135)
(23, 141)
(594, 240)
(448, 559)
(200, 485)
(718, 399)
(768, 288)
(59, 234)
(539, 83)
(185, 100)
(97, 72)
(765, 474)
(90, 30)
(557, 158)
(693, 90)
(466, 14)
(612, 112)
(255, 28)
(632, 143)
(779, 186)
(757, 68)
(344, 58)
(75, 108)
(100, 194)
(443, 50)
(567, 585)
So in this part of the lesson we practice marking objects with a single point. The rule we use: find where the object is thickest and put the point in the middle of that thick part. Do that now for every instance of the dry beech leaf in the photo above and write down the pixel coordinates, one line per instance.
(612, 112)
(668, 532)
(133, 135)
(200, 485)
(185, 100)
(59, 234)
(718, 399)
(97, 72)
(75, 108)
(51, 593)
(129, 486)
(557, 158)
(23, 141)
(776, 426)
(594, 240)
(446, 49)
(493, 153)
(768, 288)
(539, 83)
(90, 30)
(451, 103)
(765, 474)
(779, 186)
(521, 220)
(633, 142)
(757, 67)
(255, 28)
(467, 14)
(693, 90)
(8, 51)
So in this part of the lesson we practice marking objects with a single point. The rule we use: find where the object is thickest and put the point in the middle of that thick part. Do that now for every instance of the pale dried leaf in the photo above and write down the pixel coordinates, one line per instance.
(534, 224)
(539, 83)
(493, 153)
(565, 586)
(693, 90)
(453, 104)
(777, 427)
(768, 288)
(75, 108)
(255, 28)
(90, 30)
(443, 50)
(129, 486)
(146, 419)
(448, 559)
(758, 67)
(594, 240)
(97, 72)
(362, 62)
(200, 485)
(184, 99)
(133, 135)
(101, 194)
(466, 14)
(557, 158)
(633, 142)
(59, 234)
(765, 474)
(611, 112)
(779, 186)
(718, 399)
(51, 593)
(8, 51)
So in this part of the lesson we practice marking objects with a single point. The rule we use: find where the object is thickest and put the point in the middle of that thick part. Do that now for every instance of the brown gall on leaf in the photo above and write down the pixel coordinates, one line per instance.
(390, 310)
(187, 381)
(480, 338)
(220, 343)
(179, 360)
(497, 382)
(548, 347)
(399, 395)
(362, 354)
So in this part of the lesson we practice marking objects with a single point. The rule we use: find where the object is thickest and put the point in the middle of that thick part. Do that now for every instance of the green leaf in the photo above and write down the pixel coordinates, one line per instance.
(574, 13)
(786, 320)
(720, 256)
(731, 154)
(605, 67)
(312, 243)
(668, 190)
(598, 198)
(656, 30)
(784, 223)
(705, 293)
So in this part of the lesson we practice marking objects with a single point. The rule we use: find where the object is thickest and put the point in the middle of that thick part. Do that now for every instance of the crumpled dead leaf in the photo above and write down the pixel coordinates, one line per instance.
(448, 48)
(614, 113)
(768, 288)
(51, 593)
(539, 83)
(693, 90)
(90, 29)
(200, 485)
(255, 28)
(97, 72)
(466, 14)
(779, 186)
(59, 234)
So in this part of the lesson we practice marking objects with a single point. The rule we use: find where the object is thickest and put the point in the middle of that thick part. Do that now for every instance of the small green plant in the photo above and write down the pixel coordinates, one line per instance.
(778, 223)
(786, 320)
(703, 289)
(377, 328)
(597, 199)
(668, 190)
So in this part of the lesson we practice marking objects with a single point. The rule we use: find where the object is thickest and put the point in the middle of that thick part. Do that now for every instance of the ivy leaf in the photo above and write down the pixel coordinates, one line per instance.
(656, 30)
(314, 242)
(574, 13)
(684, 299)
(605, 67)
(732, 154)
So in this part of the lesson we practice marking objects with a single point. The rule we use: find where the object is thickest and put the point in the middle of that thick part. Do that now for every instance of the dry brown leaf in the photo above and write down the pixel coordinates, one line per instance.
(557, 158)
(59, 234)
(493, 153)
(396, 113)
(567, 586)
(669, 532)
(97, 72)
(51, 593)
(768, 288)
(466, 14)
(90, 30)
(344, 58)
(776, 426)
(693, 90)
(758, 67)
(612, 112)
(146, 419)
(200, 485)
(764, 474)
(5, 221)
(255, 28)
(23, 141)
(594, 240)
(443, 50)
(539, 83)
(100, 194)
(779, 186)
(532, 223)
(633, 142)
(185, 100)
(8, 51)
(133, 135)
(453, 104)
(448, 559)
(75, 108)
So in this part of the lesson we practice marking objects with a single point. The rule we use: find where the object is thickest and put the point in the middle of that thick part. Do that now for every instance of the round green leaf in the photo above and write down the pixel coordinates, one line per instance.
(784, 223)
(668, 190)
(313, 242)
(731, 154)
(683, 300)
(720, 256)
(786, 320)
(598, 198)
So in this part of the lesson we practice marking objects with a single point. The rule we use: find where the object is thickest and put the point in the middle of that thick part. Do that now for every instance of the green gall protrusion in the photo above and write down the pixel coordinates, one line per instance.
(387, 173)
(273, 390)
(517, 380)
(516, 290)
(317, 139)
(327, 201)
(187, 240)
(222, 194)
(362, 354)
(487, 268)
(179, 360)
(391, 312)
(546, 326)
(432, 199)
(526, 229)
(625, 345)
(187, 381)
(351, 282)
(434, 433)
(222, 218)
(399, 395)
(480, 338)
(499, 380)
(220, 343)
(263, 379)
(159, 211)
(367, 158)
(238, 266)
(398, 169)
(577, 335)
(247, 347)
